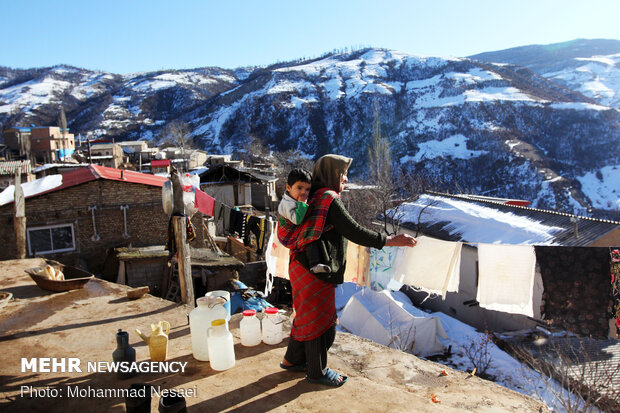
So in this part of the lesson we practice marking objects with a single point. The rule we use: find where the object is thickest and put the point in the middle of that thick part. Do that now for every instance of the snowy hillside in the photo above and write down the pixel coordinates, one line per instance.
(492, 129)
(591, 67)
(597, 77)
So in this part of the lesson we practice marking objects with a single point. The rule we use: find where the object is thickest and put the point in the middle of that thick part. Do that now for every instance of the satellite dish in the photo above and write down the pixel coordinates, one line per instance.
(167, 199)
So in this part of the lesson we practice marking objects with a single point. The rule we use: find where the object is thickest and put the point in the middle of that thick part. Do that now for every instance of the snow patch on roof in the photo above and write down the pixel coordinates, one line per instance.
(476, 223)
(31, 188)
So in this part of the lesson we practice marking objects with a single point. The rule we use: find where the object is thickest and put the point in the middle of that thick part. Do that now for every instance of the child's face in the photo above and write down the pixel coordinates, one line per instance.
(299, 191)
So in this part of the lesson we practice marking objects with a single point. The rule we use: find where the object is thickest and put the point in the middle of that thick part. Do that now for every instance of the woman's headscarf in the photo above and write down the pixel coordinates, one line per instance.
(328, 170)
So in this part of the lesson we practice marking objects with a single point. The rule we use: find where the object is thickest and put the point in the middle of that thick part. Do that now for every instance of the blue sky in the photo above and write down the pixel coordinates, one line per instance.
(137, 35)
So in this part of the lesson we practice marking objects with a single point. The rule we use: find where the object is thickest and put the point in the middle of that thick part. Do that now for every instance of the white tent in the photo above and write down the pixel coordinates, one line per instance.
(378, 317)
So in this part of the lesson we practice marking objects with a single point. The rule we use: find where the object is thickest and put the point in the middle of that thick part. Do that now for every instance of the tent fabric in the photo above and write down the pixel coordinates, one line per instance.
(432, 265)
(378, 317)
(506, 278)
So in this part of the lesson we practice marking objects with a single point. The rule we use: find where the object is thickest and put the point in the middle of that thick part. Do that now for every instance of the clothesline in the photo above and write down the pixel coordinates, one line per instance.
(234, 221)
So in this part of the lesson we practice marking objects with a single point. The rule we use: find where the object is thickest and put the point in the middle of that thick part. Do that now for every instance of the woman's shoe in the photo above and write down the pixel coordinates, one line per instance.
(330, 378)
(294, 367)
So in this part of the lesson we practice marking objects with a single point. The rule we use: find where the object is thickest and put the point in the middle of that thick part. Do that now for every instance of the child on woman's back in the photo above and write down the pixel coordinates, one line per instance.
(293, 207)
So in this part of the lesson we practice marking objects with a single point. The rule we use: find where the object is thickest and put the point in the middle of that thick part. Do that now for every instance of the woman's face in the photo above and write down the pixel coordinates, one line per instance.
(343, 181)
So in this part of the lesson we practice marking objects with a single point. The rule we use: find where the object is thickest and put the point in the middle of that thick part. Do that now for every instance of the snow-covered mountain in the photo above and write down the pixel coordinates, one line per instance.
(591, 67)
(493, 129)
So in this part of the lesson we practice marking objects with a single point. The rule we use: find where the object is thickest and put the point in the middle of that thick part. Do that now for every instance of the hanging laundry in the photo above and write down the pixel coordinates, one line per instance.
(237, 223)
(433, 265)
(615, 284)
(255, 225)
(276, 255)
(222, 213)
(381, 267)
(506, 278)
(358, 258)
(205, 203)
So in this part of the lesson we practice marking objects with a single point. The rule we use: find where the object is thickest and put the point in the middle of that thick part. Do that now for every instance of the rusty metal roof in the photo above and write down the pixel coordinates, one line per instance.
(10, 167)
(588, 229)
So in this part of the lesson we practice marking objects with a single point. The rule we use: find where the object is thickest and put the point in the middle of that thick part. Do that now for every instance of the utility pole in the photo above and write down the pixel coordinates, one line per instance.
(90, 156)
(186, 282)
(20, 216)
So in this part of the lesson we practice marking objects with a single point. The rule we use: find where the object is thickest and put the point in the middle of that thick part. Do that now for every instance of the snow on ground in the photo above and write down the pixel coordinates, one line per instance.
(598, 77)
(27, 96)
(506, 370)
(492, 227)
(31, 188)
(578, 106)
(489, 94)
(604, 193)
(475, 75)
(455, 147)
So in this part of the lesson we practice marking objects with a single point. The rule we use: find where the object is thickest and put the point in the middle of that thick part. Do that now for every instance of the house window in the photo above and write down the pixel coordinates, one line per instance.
(55, 238)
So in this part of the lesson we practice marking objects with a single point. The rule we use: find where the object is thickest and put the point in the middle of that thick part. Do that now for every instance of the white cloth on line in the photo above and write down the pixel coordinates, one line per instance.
(433, 265)
(276, 258)
(506, 278)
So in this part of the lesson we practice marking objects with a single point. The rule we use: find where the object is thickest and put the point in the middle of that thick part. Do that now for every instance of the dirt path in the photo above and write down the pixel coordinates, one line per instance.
(83, 323)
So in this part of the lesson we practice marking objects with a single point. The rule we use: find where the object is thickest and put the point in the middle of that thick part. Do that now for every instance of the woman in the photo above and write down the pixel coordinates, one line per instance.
(328, 223)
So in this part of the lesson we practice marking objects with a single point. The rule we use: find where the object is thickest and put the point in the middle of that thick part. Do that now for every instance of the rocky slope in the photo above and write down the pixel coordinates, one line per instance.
(494, 129)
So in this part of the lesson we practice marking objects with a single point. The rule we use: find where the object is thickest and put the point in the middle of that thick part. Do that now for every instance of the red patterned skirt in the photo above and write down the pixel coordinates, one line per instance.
(314, 301)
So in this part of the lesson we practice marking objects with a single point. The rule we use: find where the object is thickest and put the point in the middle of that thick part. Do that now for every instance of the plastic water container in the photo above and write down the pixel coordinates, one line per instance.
(200, 318)
(250, 329)
(222, 298)
(221, 345)
(188, 182)
(272, 326)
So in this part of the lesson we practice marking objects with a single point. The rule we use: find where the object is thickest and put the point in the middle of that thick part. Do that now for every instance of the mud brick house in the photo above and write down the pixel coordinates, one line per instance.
(51, 144)
(233, 186)
(107, 154)
(17, 139)
(86, 212)
(9, 168)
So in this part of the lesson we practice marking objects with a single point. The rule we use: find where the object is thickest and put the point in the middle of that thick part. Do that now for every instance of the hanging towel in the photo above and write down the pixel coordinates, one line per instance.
(506, 278)
(381, 267)
(276, 255)
(225, 213)
(357, 263)
(205, 203)
(433, 265)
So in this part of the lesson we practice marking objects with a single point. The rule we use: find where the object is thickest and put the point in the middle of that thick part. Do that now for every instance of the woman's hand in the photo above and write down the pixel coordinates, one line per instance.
(401, 240)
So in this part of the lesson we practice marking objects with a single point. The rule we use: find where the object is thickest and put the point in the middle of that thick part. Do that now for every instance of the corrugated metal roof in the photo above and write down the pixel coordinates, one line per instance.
(94, 172)
(588, 229)
(10, 167)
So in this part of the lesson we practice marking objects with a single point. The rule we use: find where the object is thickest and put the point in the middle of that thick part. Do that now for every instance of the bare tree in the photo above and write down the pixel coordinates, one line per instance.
(578, 376)
(177, 134)
(386, 189)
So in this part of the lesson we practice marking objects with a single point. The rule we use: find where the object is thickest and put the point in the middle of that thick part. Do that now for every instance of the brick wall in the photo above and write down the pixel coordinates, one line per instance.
(147, 223)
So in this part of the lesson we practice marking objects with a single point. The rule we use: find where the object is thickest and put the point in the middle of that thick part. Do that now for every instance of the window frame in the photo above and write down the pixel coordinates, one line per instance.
(50, 227)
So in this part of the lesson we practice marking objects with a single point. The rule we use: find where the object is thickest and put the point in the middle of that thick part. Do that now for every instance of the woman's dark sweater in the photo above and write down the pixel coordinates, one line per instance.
(341, 227)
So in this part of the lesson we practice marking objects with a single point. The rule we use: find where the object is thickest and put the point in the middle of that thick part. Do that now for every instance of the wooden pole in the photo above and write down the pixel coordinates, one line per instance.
(183, 253)
(20, 217)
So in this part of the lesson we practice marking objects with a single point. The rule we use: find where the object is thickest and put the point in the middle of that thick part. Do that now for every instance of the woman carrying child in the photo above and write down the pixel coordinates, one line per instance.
(326, 222)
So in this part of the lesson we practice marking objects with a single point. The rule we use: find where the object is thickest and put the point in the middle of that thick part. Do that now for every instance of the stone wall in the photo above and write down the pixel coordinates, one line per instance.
(577, 289)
